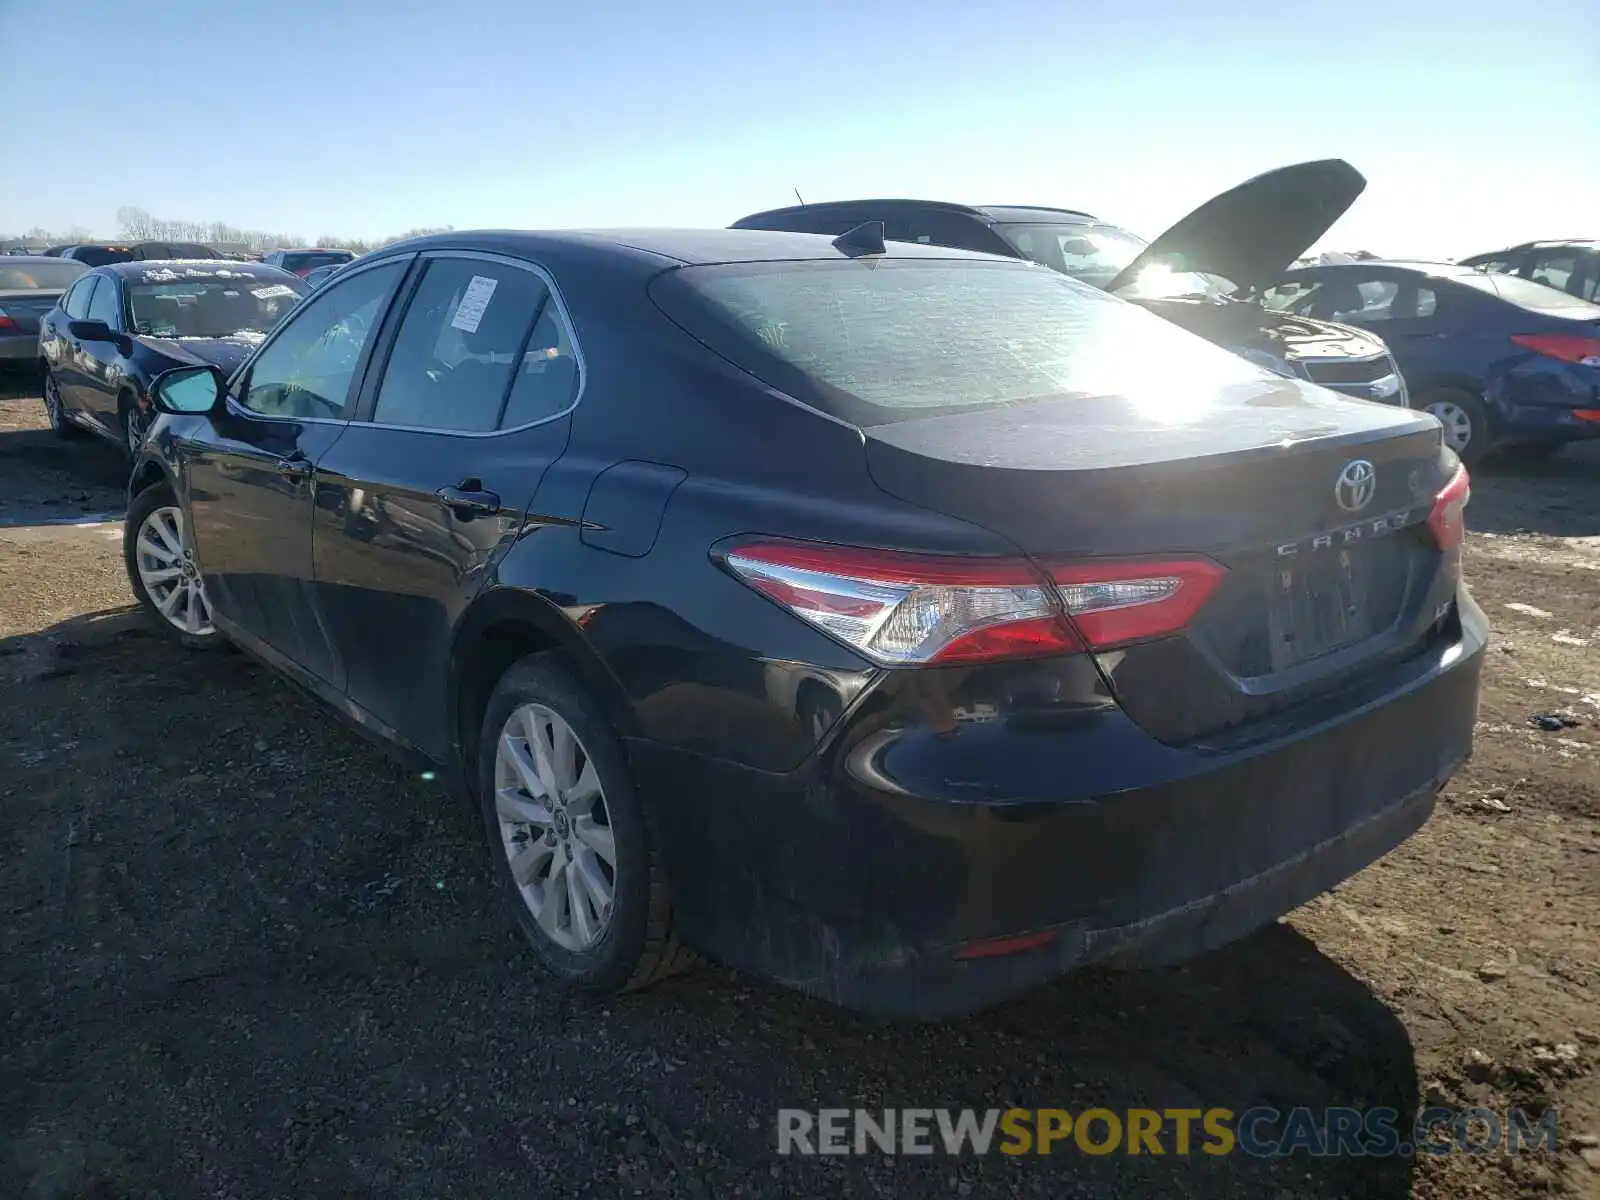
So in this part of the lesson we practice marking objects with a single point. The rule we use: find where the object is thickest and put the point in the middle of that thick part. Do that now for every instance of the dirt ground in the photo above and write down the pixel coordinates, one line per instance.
(242, 955)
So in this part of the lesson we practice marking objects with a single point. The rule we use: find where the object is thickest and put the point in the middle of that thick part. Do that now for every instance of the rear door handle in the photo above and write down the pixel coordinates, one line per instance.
(468, 499)
(296, 466)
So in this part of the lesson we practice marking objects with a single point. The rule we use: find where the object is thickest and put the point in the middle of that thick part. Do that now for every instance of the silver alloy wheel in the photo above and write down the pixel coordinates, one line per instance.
(52, 400)
(1457, 424)
(169, 573)
(555, 827)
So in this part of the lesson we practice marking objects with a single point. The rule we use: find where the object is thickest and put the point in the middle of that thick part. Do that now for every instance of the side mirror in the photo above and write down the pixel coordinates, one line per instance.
(91, 331)
(189, 391)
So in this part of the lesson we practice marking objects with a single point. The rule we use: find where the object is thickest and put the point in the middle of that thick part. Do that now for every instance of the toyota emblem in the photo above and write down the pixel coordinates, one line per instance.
(1355, 485)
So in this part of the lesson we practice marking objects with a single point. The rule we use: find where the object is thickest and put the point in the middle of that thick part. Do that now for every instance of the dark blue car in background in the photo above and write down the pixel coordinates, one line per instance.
(1502, 362)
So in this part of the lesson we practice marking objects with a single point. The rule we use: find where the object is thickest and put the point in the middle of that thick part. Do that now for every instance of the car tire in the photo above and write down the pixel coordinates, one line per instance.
(134, 425)
(53, 409)
(556, 887)
(154, 522)
(1465, 418)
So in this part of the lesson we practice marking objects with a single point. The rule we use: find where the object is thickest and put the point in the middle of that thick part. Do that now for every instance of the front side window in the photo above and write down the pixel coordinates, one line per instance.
(1369, 300)
(107, 304)
(1504, 263)
(308, 368)
(874, 342)
(1095, 254)
(1292, 295)
(465, 340)
(77, 302)
(209, 307)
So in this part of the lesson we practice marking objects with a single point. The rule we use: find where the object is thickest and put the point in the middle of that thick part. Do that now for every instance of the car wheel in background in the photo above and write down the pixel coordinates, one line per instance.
(162, 570)
(572, 846)
(135, 424)
(59, 425)
(1465, 419)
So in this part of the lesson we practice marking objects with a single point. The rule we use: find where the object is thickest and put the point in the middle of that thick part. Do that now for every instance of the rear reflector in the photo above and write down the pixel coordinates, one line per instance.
(1572, 348)
(900, 609)
(1448, 520)
(996, 947)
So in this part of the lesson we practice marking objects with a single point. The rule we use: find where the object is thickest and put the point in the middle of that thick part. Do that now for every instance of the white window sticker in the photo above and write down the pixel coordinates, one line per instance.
(267, 293)
(473, 302)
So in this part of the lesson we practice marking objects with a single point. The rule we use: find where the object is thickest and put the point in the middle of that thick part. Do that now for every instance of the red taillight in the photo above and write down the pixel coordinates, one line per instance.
(1113, 604)
(5, 321)
(1585, 351)
(1448, 520)
(903, 609)
(304, 271)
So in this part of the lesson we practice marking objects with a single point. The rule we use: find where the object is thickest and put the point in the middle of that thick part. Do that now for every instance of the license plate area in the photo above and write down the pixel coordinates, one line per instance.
(1322, 603)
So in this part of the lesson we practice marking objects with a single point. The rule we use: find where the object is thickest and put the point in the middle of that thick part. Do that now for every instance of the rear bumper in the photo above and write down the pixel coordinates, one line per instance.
(1539, 400)
(18, 347)
(871, 874)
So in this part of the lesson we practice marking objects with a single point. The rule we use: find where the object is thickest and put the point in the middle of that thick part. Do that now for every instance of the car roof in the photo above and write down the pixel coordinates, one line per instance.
(1541, 244)
(1013, 214)
(136, 271)
(1441, 270)
(996, 213)
(664, 247)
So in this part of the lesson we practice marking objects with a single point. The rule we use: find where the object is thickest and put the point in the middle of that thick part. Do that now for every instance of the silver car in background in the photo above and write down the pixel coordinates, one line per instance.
(29, 287)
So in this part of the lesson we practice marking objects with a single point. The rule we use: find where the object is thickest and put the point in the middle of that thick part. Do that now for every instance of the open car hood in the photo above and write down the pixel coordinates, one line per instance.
(1251, 233)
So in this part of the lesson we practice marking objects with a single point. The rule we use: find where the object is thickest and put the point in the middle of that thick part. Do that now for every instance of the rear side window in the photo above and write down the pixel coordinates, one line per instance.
(879, 341)
(480, 348)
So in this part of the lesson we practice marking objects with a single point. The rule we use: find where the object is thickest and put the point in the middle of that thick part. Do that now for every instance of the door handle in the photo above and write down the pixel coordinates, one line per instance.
(296, 466)
(468, 499)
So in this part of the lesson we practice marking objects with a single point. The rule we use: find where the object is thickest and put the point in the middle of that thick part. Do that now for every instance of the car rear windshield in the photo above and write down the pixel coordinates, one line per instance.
(878, 341)
(210, 308)
(1524, 293)
(310, 259)
(44, 274)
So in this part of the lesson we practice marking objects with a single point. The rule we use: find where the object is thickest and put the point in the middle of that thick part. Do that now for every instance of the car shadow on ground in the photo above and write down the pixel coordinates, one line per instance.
(1514, 496)
(44, 480)
(245, 954)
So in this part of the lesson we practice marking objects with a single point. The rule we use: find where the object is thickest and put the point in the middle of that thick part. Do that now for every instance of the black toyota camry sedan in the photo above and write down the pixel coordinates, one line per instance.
(121, 325)
(907, 624)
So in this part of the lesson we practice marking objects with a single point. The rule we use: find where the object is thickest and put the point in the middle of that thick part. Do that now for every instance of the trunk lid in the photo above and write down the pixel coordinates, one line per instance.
(1328, 571)
(27, 306)
(1251, 233)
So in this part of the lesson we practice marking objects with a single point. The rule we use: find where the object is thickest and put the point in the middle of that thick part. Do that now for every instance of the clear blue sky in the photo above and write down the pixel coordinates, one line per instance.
(1475, 123)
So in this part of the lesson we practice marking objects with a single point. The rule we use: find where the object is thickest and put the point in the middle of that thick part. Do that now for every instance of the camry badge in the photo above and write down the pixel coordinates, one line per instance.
(1355, 485)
